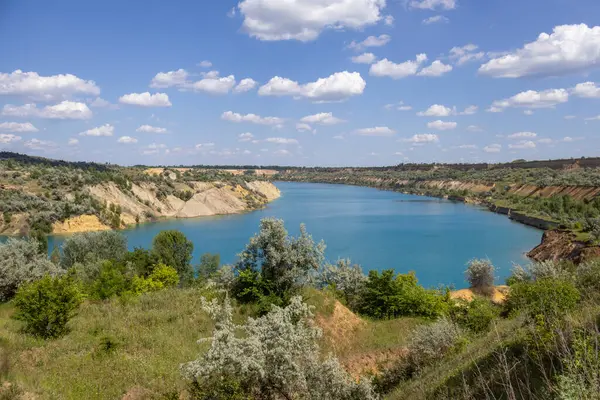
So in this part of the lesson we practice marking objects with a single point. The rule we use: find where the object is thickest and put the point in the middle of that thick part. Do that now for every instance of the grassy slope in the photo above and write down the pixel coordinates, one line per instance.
(152, 335)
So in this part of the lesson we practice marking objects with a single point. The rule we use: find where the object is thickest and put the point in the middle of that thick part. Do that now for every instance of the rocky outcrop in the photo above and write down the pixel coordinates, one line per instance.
(562, 245)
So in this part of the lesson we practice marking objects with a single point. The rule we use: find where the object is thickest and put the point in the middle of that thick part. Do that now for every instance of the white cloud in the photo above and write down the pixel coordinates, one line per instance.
(545, 141)
(127, 140)
(467, 146)
(322, 119)
(587, 90)
(99, 102)
(73, 142)
(304, 20)
(206, 63)
(532, 99)
(568, 139)
(31, 84)
(337, 87)
(522, 145)
(300, 127)
(437, 68)
(214, 84)
(376, 131)
(37, 144)
(596, 118)
(528, 112)
(202, 145)
(339, 137)
(280, 140)
(441, 125)
(364, 58)
(388, 20)
(433, 4)
(63, 110)
(371, 41)
(400, 106)
(423, 138)
(470, 110)
(474, 128)
(521, 135)
(146, 99)
(151, 129)
(492, 148)
(386, 67)
(7, 138)
(570, 117)
(568, 49)
(435, 19)
(104, 130)
(25, 127)
(245, 85)
(282, 152)
(437, 110)
(169, 79)
(464, 54)
(245, 137)
(253, 118)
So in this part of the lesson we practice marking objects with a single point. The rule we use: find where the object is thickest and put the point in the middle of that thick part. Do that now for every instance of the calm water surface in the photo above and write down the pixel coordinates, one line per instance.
(378, 229)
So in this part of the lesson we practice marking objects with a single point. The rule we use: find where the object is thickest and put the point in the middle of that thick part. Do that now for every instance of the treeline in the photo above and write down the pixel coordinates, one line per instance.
(275, 354)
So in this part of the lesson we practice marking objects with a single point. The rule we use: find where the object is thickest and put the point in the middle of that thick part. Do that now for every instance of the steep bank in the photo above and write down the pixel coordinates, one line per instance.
(563, 245)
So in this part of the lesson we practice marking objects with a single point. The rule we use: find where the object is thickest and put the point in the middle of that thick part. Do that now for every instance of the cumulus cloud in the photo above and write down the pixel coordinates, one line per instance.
(400, 106)
(99, 102)
(568, 49)
(214, 84)
(245, 85)
(151, 129)
(376, 131)
(253, 118)
(7, 138)
(470, 110)
(26, 127)
(73, 142)
(205, 63)
(493, 148)
(522, 135)
(245, 137)
(304, 20)
(37, 144)
(437, 68)
(146, 99)
(169, 79)
(388, 68)
(322, 119)
(388, 20)
(46, 88)
(280, 140)
(441, 125)
(364, 58)
(433, 4)
(63, 110)
(371, 41)
(104, 130)
(337, 87)
(301, 127)
(437, 110)
(587, 90)
(464, 54)
(127, 140)
(522, 145)
(532, 99)
(422, 138)
(436, 19)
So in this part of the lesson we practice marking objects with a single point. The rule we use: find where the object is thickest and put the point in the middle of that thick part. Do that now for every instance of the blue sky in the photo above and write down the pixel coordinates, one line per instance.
(300, 82)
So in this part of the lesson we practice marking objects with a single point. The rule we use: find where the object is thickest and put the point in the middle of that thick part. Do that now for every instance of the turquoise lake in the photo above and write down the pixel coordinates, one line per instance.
(377, 229)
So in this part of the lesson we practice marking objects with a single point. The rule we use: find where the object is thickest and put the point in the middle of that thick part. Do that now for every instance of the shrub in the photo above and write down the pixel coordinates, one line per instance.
(142, 261)
(346, 279)
(588, 278)
(164, 274)
(276, 356)
(174, 249)
(387, 297)
(47, 305)
(433, 341)
(476, 315)
(91, 247)
(110, 282)
(20, 262)
(480, 274)
(209, 265)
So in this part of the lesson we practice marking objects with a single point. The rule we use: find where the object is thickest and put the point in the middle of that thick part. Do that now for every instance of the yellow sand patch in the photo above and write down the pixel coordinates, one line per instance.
(498, 296)
(81, 223)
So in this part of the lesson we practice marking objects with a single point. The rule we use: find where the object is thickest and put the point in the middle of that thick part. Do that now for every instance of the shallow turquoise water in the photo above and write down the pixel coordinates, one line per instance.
(378, 229)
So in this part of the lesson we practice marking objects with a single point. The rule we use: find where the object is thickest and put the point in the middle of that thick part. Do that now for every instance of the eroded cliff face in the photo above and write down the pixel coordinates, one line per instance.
(562, 245)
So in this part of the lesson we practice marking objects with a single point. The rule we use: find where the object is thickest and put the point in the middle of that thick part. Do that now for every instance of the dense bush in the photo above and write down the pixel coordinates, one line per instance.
(476, 315)
(386, 296)
(480, 274)
(345, 279)
(20, 262)
(46, 305)
(274, 357)
(432, 342)
(209, 265)
(174, 249)
(110, 282)
(91, 247)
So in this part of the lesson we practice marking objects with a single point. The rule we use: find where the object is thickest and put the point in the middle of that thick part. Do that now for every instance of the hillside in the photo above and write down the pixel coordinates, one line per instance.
(49, 196)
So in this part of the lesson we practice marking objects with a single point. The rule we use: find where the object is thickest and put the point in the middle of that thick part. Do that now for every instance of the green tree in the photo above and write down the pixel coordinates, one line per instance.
(175, 250)
(209, 265)
(91, 247)
(46, 305)
(110, 282)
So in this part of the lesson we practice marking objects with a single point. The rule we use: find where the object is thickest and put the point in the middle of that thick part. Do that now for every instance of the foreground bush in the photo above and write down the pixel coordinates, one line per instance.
(433, 341)
(47, 305)
(274, 357)
(162, 277)
(480, 274)
(476, 315)
(20, 263)
(347, 280)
